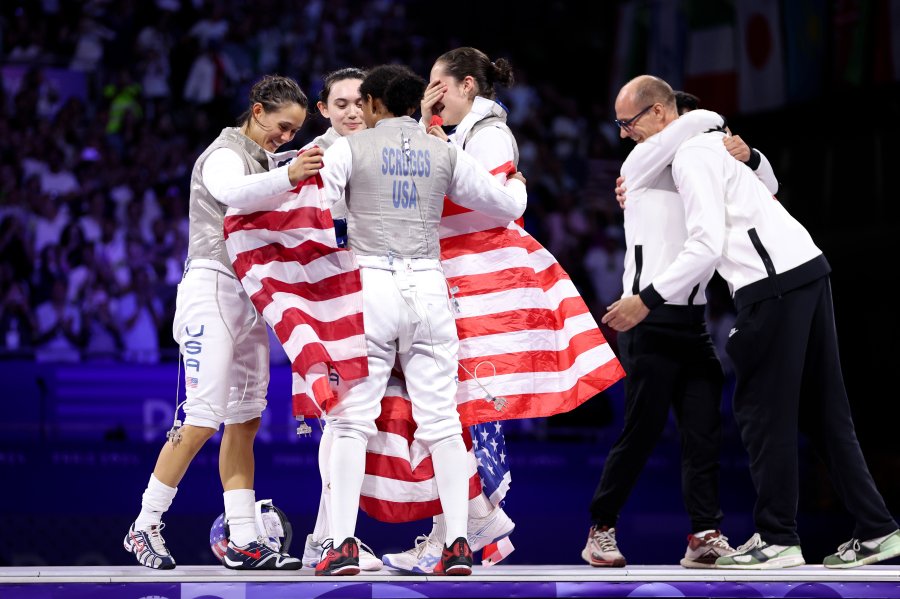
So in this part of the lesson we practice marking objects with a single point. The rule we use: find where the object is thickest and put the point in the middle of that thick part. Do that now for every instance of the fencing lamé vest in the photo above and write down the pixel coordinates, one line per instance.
(396, 190)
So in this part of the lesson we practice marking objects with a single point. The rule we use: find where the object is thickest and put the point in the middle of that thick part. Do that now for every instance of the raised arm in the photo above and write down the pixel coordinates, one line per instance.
(224, 177)
(753, 158)
(648, 159)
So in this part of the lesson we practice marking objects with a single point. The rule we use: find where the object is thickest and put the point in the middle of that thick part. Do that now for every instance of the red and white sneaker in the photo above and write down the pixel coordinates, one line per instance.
(601, 550)
(456, 560)
(703, 551)
(343, 561)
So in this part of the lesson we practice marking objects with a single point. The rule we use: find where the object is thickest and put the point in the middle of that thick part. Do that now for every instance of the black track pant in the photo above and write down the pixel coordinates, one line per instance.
(667, 366)
(788, 377)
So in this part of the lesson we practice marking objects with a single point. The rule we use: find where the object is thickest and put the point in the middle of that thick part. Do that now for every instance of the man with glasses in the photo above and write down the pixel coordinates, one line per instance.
(669, 358)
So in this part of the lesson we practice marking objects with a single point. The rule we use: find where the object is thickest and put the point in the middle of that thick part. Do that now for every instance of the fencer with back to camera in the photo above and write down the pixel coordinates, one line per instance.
(462, 95)
(395, 177)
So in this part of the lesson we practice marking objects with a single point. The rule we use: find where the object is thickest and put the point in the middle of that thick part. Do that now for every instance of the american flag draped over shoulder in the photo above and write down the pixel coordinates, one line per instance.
(525, 332)
(307, 289)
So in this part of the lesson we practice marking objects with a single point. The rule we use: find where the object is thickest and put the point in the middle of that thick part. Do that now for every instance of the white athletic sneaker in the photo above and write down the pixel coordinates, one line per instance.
(421, 559)
(489, 534)
(312, 553)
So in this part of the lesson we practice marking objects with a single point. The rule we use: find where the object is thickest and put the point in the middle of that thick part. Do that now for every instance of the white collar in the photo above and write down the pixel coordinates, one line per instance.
(481, 108)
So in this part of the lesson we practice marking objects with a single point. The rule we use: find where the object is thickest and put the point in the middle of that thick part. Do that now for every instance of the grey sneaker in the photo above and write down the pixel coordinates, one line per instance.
(855, 553)
(703, 551)
(756, 554)
(601, 549)
(312, 553)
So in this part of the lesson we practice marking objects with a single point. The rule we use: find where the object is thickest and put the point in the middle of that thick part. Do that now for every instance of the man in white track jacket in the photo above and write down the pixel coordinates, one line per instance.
(669, 358)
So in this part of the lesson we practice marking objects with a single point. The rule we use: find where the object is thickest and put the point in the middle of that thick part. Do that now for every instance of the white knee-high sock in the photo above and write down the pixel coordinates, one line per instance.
(326, 444)
(439, 527)
(154, 503)
(453, 485)
(240, 513)
(348, 467)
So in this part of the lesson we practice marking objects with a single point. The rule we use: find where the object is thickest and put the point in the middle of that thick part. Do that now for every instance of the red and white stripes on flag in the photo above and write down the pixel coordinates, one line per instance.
(399, 484)
(525, 333)
(308, 290)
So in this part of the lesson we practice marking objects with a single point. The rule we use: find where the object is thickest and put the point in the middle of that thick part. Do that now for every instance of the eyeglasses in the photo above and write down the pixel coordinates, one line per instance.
(628, 124)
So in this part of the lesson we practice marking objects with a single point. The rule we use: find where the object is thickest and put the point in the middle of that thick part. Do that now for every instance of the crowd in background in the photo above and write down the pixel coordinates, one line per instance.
(94, 186)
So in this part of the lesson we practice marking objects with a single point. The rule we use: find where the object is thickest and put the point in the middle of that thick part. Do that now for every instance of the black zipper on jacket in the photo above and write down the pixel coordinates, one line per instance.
(638, 264)
(693, 294)
(767, 261)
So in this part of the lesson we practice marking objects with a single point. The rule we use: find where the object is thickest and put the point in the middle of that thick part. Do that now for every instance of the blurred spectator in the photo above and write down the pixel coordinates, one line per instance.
(605, 265)
(212, 72)
(50, 219)
(50, 270)
(89, 47)
(17, 323)
(49, 102)
(103, 337)
(27, 48)
(522, 99)
(15, 249)
(176, 259)
(91, 222)
(59, 335)
(155, 70)
(211, 29)
(77, 257)
(140, 313)
(112, 247)
(56, 179)
(124, 110)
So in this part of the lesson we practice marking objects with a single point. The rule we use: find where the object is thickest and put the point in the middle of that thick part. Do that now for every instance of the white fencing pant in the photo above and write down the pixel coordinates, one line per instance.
(407, 315)
(225, 347)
